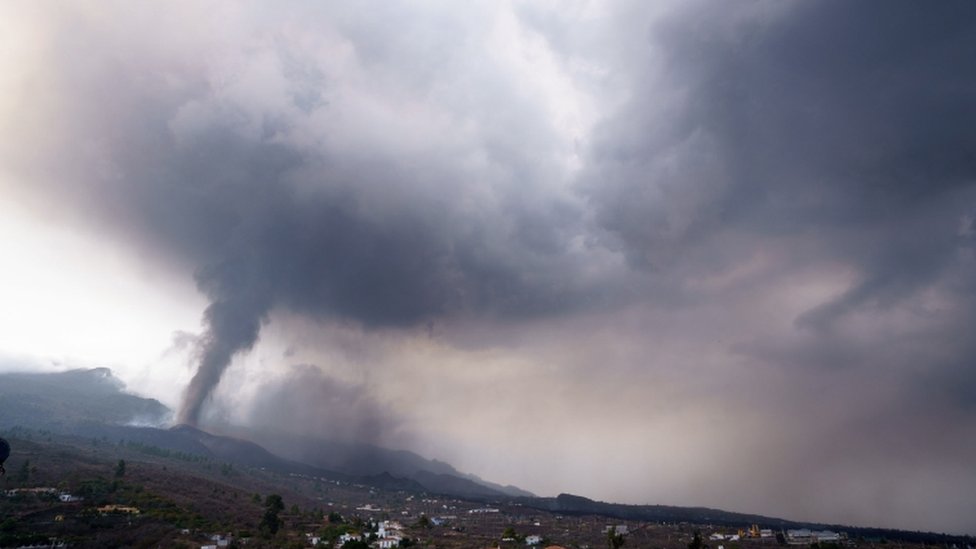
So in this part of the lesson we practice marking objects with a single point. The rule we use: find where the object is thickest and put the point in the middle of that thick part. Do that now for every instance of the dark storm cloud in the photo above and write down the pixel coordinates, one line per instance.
(267, 241)
(845, 130)
(848, 124)
(388, 168)
(374, 234)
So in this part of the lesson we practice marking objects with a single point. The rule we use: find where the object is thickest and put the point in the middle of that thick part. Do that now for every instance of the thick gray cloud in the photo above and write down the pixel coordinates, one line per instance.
(752, 189)
(330, 227)
(840, 136)
(844, 128)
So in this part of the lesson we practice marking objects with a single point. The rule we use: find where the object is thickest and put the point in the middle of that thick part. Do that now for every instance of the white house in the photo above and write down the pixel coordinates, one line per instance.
(388, 528)
(801, 536)
(221, 540)
(533, 540)
(826, 535)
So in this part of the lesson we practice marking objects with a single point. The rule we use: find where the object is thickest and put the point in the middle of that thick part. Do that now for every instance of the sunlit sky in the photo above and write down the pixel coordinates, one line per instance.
(684, 253)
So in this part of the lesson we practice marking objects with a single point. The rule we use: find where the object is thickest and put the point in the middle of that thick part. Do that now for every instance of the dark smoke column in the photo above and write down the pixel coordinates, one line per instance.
(233, 325)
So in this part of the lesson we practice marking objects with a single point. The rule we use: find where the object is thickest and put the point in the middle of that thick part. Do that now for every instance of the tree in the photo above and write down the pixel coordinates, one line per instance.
(23, 474)
(332, 533)
(615, 540)
(696, 541)
(270, 522)
(120, 469)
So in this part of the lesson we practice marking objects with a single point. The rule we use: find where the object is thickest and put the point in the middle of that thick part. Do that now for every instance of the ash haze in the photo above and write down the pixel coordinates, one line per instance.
(717, 254)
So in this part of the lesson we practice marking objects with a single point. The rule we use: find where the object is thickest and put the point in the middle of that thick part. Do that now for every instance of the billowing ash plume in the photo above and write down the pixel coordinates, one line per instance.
(316, 164)
(285, 184)
(285, 232)
(231, 327)
(806, 169)
(382, 238)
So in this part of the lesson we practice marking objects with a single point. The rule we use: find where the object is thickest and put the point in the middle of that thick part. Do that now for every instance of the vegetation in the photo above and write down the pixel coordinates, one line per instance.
(270, 522)
(616, 541)
(24, 473)
(181, 504)
(151, 450)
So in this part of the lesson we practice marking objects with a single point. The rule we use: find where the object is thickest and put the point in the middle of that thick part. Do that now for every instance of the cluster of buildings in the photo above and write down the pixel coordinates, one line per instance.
(218, 540)
(18, 491)
(754, 532)
(388, 535)
(618, 529)
(805, 536)
(800, 536)
(64, 497)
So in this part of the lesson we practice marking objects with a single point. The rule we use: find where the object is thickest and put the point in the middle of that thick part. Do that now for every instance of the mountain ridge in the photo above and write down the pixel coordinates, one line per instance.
(368, 459)
(91, 403)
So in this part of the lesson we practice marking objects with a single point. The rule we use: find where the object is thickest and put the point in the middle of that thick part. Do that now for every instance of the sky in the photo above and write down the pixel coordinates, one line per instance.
(689, 253)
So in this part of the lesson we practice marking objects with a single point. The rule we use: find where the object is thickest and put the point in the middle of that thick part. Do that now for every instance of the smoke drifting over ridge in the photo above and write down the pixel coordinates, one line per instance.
(765, 209)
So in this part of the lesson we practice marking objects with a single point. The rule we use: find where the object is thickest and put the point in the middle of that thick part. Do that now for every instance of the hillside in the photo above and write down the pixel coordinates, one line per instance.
(577, 505)
(65, 400)
(93, 403)
(86, 417)
(366, 459)
(182, 500)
